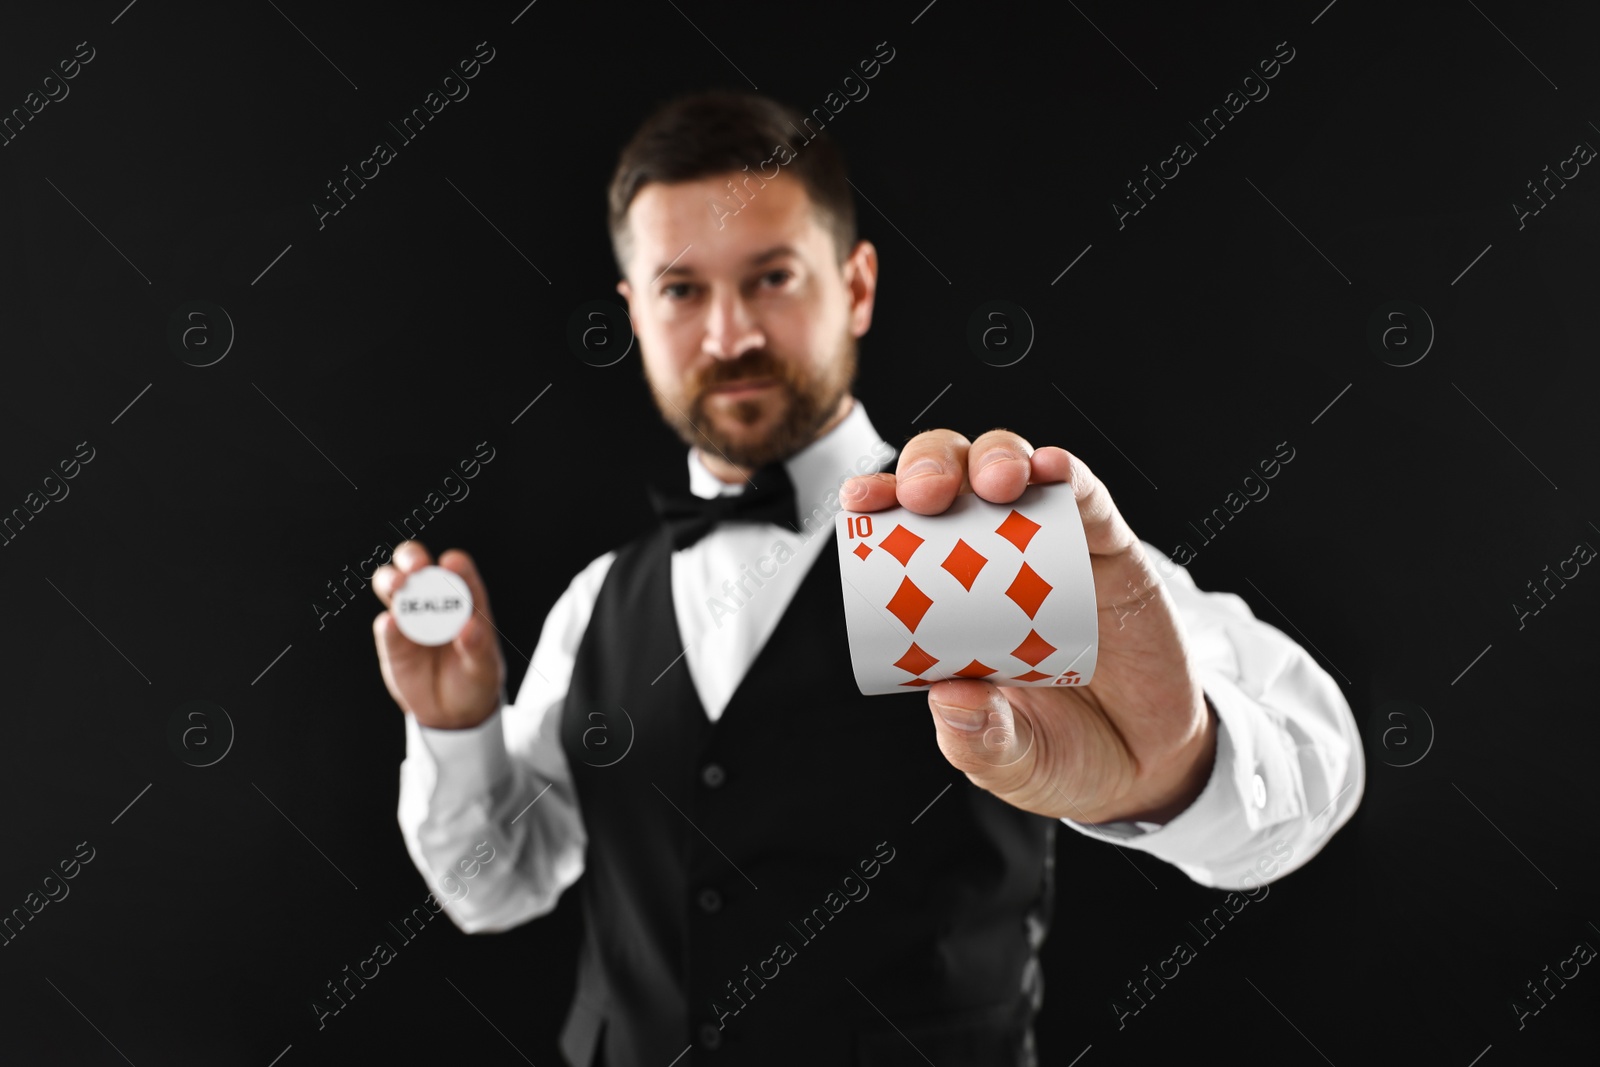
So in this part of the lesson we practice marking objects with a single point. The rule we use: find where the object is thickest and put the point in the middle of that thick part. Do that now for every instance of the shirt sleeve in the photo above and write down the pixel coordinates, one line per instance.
(489, 814)
(1289, 768)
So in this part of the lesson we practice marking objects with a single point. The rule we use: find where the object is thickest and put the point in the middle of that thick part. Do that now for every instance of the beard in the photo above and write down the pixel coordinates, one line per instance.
(771, 426)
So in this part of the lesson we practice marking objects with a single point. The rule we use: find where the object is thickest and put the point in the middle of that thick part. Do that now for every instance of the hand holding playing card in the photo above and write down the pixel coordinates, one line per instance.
(1137, 741)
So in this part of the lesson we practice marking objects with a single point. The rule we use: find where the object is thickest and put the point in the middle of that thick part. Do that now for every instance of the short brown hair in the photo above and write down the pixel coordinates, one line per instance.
(709, 133)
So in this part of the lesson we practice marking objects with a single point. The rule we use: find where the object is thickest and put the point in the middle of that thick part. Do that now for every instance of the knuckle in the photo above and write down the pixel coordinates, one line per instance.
(937, 440)
(1004, 437)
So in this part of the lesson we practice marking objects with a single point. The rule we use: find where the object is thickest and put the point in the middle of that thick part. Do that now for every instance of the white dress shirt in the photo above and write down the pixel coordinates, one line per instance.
(1289, 769)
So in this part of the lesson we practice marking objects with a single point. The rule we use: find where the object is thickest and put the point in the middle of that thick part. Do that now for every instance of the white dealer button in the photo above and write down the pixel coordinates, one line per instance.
(432, 606)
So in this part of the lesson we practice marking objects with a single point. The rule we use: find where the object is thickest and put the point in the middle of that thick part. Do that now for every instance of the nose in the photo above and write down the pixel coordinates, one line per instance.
(731, 327)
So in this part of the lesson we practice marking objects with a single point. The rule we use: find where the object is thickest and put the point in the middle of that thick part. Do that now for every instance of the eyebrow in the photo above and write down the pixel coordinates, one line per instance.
(772, 253)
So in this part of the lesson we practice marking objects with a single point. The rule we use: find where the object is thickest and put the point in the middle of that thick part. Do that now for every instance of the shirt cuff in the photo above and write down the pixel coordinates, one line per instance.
(1255, 784)
(467, 763)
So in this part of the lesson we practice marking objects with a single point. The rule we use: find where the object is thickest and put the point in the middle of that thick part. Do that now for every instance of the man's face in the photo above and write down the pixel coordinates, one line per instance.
(747, 328)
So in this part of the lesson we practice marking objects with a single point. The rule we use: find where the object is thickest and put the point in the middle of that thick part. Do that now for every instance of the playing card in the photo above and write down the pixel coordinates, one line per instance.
(1002, 592)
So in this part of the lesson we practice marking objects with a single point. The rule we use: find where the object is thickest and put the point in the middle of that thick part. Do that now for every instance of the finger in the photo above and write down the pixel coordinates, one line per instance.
(398, 657)
(932, 470)
(411, 556)
(1106, 531)
(408, 556)
(998, 465)
(868, 492)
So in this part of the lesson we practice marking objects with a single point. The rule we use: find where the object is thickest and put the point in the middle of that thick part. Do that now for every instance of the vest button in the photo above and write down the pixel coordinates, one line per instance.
(710, 901)
(710, 1036)
(713, 775)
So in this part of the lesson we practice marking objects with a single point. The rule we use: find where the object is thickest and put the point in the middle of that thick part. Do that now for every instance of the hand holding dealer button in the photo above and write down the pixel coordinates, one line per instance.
(437, 646)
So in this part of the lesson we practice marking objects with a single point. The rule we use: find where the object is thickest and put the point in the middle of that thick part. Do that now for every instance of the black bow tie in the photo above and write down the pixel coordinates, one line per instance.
(688, 517)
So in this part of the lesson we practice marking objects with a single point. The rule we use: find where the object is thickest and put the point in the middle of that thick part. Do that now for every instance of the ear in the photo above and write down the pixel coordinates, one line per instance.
(627, 293)
(861, 278)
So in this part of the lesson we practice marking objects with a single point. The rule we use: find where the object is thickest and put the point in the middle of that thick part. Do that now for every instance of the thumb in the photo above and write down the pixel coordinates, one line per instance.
(477, 637)
(462, 566)
(981, 734)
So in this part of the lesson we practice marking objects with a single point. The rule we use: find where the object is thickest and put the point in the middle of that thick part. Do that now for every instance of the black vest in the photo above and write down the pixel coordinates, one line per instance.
(805, 881)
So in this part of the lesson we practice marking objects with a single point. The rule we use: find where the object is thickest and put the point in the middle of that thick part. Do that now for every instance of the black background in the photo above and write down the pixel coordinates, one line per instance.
(1175, 353)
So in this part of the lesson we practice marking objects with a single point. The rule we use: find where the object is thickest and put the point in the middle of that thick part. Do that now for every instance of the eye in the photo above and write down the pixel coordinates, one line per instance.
(777, 277)
(672, 290)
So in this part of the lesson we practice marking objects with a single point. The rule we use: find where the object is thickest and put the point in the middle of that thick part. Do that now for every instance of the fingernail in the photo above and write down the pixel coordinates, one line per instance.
(922, 466)
(854, 489)
(995, 454)
(969, 719)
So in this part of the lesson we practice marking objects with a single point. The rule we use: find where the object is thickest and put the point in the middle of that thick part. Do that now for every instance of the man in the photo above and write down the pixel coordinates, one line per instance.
(776, 869)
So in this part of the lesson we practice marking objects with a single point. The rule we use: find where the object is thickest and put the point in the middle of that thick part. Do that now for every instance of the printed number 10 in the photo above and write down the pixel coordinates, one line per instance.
(858, 525)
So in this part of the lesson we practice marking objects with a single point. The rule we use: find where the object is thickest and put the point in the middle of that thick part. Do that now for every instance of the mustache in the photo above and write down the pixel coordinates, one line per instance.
(755, 364)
